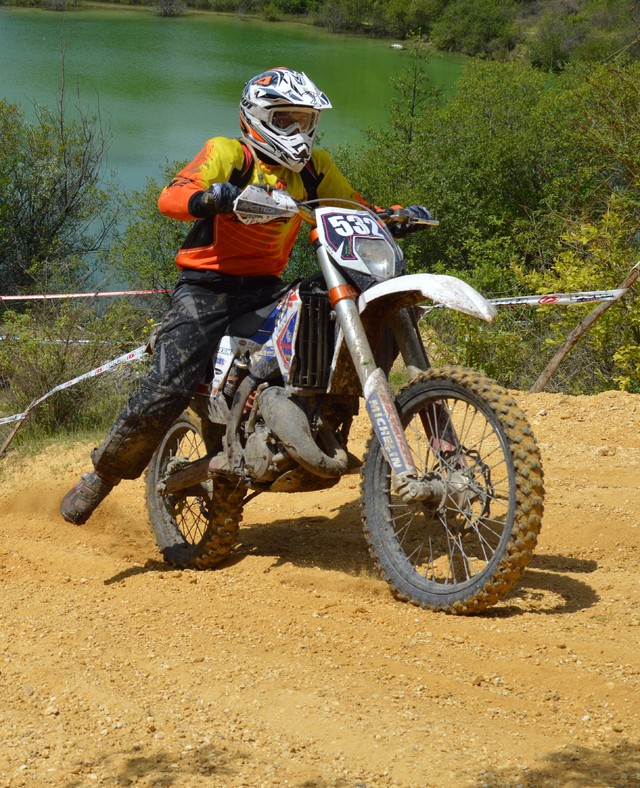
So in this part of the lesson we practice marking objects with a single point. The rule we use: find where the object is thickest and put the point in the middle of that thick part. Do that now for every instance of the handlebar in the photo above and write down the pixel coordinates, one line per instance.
(396, 215)
(259, 204)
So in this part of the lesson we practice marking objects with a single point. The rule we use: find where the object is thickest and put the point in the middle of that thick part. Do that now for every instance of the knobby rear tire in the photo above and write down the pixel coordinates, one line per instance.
(463, 554)
(196, 528)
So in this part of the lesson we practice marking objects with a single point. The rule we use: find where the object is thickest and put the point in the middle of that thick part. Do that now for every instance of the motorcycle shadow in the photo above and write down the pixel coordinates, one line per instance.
(330, 542)
(333, 542)
(548, 588)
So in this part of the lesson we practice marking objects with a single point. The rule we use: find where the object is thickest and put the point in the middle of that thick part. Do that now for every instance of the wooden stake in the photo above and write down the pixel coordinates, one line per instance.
(579, 330)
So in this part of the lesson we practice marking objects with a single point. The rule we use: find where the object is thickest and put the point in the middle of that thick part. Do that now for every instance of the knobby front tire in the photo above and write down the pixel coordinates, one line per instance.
(196, 528)
(462, 554)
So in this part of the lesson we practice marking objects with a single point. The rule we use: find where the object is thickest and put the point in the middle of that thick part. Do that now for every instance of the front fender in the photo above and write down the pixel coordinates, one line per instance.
(439, 288)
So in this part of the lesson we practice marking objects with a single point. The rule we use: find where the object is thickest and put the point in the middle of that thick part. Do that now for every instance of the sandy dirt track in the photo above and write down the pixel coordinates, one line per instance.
(294, 666)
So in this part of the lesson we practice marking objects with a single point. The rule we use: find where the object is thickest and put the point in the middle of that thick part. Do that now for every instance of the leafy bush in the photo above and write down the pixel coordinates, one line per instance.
(56, 342)
(146, 249)
(56, 210)
(597, 255)
(474, 28)
(587, 31)
(515, 165)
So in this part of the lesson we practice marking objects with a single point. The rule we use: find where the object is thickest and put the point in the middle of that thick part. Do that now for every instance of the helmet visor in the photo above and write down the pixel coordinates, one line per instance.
(294, 120)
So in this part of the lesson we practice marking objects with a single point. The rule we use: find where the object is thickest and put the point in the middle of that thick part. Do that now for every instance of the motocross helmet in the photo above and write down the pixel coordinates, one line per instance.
(279, 113)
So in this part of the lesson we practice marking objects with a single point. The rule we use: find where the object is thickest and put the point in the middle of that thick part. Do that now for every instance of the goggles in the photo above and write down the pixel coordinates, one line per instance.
(289, 121)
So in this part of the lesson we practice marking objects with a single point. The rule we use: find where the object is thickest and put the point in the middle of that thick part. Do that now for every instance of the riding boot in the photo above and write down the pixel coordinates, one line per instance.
(85, 496)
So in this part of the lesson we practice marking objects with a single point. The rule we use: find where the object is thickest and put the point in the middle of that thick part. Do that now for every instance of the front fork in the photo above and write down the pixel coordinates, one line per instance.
(437, 424)
(379, 398)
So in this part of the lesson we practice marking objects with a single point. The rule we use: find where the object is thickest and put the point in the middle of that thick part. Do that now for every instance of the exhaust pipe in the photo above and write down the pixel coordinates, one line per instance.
(289, 423)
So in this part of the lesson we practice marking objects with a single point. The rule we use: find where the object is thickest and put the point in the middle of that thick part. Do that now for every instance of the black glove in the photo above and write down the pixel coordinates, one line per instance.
(413, 216)
(218, 198)
(419, 212)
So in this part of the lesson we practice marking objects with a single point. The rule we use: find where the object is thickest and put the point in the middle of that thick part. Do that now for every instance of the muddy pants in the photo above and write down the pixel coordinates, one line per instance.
(202, 305)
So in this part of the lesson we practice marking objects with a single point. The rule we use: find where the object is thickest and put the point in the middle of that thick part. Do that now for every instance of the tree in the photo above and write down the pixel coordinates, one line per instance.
(387, 169)
(56, 212)
(170, 7)
(144, 254)
(586, 229)
(477, 28)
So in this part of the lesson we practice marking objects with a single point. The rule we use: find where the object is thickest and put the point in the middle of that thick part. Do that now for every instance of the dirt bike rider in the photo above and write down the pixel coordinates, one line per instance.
(226, 268)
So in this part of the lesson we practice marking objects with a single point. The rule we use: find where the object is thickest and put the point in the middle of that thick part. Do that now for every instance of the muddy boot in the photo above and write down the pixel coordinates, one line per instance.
(80, 502)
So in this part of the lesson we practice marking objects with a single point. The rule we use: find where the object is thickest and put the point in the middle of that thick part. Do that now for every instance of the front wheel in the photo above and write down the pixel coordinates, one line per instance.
(465, 552)
(198, 527)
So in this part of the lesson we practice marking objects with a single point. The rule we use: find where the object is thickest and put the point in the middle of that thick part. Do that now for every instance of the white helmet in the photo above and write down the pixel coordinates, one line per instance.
(279, 113)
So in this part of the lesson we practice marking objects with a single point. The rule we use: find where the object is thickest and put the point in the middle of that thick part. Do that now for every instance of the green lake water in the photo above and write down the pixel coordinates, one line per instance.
(163, 86)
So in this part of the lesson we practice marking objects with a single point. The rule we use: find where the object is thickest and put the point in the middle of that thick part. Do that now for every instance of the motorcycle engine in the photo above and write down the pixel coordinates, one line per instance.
(261, 455)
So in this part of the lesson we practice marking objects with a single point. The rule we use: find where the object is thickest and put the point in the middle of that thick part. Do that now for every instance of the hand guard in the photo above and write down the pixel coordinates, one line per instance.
(412, 219)
(218, 198)
(419, 213)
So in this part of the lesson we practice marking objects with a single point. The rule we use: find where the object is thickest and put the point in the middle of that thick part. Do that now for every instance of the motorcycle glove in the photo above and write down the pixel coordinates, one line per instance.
(218, 198)
(419, 212)
(414, 215)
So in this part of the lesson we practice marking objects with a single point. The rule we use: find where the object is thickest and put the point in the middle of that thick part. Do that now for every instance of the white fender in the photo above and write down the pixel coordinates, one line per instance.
(439, 288)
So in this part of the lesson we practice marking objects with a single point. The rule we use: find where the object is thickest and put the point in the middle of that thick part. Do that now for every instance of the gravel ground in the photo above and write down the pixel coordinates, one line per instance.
(294, 665)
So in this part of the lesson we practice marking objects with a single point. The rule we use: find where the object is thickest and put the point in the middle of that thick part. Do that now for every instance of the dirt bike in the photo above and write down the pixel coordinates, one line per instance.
(451, 481)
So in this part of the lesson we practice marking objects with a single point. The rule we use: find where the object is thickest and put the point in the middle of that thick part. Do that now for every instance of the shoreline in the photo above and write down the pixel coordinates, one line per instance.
(149, 9)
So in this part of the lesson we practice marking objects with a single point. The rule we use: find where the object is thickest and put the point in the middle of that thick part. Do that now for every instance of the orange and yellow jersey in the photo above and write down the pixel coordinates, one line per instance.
(222, 243)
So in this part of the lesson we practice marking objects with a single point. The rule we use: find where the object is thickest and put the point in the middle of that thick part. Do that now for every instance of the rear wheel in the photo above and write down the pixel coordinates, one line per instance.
(197, 527)
(465, 552)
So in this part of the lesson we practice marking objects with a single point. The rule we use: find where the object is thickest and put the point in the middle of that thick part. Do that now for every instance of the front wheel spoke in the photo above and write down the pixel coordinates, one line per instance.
(488, 550)
(402, 530)
(475, 523)
(413, 556)
(468, 564)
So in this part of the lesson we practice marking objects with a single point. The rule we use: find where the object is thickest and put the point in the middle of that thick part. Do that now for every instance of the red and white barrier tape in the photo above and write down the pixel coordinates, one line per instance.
(97, 294)
(551, 299)
(132, 355)
(532, 300)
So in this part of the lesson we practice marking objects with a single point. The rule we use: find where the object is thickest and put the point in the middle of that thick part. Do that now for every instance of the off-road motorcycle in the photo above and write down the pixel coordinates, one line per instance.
(451, 481)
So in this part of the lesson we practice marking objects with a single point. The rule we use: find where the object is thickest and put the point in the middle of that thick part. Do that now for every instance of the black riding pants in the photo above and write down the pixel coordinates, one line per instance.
(202, 305)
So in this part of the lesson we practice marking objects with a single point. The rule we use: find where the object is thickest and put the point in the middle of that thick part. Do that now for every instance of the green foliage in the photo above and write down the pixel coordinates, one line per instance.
(553, 41)
(55, 212)
(170, 7)
(271, 12)
(477, 28)
(588, 31)
(341, 15)
(290, 6)
(406, 18)
(474, 160)
(598, 255)
(480, 164)
(303, 261)
(581, 233)
(55, 342)
(146, 250)
(514, 165)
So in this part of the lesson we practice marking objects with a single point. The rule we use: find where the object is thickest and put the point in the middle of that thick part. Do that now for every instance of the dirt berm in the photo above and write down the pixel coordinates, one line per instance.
(293, 665)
